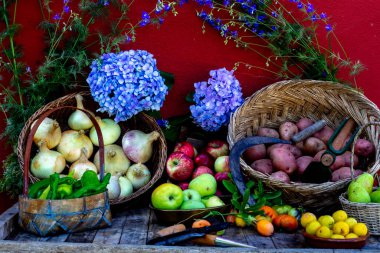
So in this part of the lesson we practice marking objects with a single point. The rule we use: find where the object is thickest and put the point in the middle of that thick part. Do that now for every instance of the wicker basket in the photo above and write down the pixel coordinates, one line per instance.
(368, 213)
(141, 121)
(45, 217)
(292, 100)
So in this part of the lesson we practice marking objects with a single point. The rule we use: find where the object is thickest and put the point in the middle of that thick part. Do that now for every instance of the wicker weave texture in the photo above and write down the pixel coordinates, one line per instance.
(141, 121)
(290, 101)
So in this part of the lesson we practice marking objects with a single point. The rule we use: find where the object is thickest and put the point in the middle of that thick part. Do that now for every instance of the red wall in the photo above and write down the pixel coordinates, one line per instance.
(180, 48)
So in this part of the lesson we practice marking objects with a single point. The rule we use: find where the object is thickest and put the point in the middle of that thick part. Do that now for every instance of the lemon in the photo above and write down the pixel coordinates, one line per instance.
(340, 215)
(306, 218)
(360, 229)
(326, 220)
(335, 236)
(312, 227)
(323, 232)
(351, 222)
(341, 228)
(351, 236)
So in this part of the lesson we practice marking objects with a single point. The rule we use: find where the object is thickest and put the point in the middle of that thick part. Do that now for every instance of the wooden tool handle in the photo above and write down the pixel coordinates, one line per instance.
(339, 141)
(208, 240)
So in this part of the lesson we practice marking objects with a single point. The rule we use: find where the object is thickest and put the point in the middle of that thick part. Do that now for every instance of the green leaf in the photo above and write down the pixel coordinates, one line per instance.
(190, 97)
(169, 79)
(230, 186)
(272, 195)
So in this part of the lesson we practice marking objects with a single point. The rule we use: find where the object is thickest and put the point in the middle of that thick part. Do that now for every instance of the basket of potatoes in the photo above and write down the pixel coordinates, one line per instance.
(284, 108)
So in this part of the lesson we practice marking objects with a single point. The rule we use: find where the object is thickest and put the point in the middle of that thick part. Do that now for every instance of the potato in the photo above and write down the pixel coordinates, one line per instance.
(287, 130)
(295, 151)
(312, 146)
(280, 176)
(300, 145)
(347, 159)
(304, 123)
(254, 153)
(338, 163)
(302, 163)
(268, 132)
(324, 134)
(263, 165)
(344, 173)
(283, 159)
(318, 155)
(364, 148)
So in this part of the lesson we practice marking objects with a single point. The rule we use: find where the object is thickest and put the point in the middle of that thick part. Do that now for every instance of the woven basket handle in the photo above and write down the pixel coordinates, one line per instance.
(29, 142)
(353, 144)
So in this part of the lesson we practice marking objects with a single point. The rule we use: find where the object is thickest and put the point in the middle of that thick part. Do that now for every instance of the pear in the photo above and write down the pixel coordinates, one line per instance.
(366, 180)
(358, 193)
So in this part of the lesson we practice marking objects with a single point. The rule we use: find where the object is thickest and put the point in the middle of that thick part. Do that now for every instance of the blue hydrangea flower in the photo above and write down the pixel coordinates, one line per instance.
(216, 99)
(127, 83)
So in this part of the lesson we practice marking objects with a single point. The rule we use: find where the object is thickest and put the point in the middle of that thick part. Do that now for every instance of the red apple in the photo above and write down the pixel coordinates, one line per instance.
(179, 166)
(185, 147)
(222, 164)
(217, 148)
(220, 176)
(202, 170)
(183, 185)
(204, 159)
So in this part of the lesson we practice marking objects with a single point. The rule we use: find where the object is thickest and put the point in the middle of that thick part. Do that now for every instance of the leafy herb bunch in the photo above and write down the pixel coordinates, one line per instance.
(70, 38)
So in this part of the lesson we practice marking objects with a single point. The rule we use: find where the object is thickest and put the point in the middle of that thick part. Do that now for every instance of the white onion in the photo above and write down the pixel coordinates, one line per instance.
(139, 175)
(113, 187)
(49, 132)
(46, 162)
(79, 120)
(110, 131)
(115, 161)
(138, 145)
(72, 142)
(81, 165)
(126, 187)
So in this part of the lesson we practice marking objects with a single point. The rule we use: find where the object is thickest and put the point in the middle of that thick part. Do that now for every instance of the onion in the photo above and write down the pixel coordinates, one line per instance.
(81, 165)
(72, 143)
(126, 187)
(79, 120)
(49, 132)
(113, 187)
(110, 130)
(139, 175)
(46, 162)
(115, 161)
(137, 145)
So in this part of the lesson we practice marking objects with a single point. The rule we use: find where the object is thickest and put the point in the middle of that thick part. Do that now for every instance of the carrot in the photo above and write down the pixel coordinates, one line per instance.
(201, 223)
(269, 211)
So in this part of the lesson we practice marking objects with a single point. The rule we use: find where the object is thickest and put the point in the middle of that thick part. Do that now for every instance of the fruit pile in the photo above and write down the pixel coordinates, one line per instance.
(194, 177)
(337, 226)
(285, 162)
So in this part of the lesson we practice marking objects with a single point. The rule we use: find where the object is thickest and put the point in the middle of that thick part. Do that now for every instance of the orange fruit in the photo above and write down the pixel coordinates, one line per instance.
(265, 227)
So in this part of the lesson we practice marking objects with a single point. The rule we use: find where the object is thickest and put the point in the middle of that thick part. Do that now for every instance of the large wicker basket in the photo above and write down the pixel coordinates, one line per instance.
(292, 100)
(141, 121)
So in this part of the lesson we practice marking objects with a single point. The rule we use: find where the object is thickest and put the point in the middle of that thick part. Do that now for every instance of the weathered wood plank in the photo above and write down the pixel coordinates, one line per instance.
(284, 240)
(111, 235)
(8, 221)
(135, 227)
(82, 237)
(254, 239)
(372, 243)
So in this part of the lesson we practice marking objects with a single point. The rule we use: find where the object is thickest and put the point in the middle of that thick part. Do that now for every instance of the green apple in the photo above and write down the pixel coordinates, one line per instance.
(167, 196)
(205, 184)
(366, 180)
(192, 204)
(214, 201)
(190, 194)
(375, 196)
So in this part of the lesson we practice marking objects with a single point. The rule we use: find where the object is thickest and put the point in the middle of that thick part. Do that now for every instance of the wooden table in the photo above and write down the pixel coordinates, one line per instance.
(132, 228)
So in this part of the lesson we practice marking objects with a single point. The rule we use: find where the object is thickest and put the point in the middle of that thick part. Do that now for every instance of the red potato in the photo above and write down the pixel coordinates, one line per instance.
(264, 166)
(280, 176)
(338, 163)
(318, 155)
(324, 134)
(299, 145)
(283, 159)
(293, 149)
(302, 163)
(268, 132)
(364, 148)
(347, 159)
(287, 130)
(313, 145)
(304, 123)
(344, 173)
(254, 153)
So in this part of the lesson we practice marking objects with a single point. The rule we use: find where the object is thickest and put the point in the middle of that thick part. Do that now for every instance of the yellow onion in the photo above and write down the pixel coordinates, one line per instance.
(139, 175)
(137, 145)
(72, 143)
(46, 162)
(81, 165)
(48, 131)
(110, 130)
(115, 161)
(79, 120)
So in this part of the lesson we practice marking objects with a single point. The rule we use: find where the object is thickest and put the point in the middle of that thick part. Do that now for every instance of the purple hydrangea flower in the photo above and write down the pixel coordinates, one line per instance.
(127, 83)
(216, 99)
